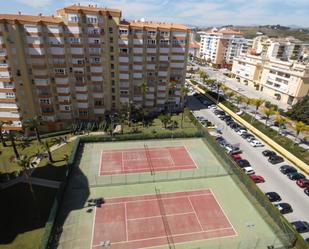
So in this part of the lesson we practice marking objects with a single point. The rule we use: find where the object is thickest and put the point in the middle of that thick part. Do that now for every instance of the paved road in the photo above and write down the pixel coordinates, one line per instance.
(290, 133)
(235, 85)
(275, 181)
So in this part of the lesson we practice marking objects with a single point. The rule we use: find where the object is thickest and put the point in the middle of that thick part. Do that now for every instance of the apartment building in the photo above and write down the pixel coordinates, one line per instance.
(219, 47)
(278, 48)
(286, 81)
(86, 62)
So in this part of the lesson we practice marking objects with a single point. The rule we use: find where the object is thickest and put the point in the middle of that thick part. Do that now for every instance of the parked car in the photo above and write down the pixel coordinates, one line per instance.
(301, 226)
(295, 176)
(284, 208)
(269, 153)
(235, 150)
(241, 131)
(306, 191)
(249, 170)
(256, 143)
(243, 163)
(236, 157)
(303, 183)
(273, 196)
(257, 178)
(275, 159)
(285, 169)
(246, 135)
(250, 139)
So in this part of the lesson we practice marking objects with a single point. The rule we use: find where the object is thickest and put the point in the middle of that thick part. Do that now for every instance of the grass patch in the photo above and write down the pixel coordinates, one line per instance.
(22, 220)
(7, 154)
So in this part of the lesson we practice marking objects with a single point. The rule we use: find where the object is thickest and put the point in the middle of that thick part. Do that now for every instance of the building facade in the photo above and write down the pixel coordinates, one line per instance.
(219, 47)
(86, 62)
(286, 81)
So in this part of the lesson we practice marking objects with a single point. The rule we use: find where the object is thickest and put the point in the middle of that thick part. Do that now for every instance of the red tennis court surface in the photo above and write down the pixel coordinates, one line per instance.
(139, 222)
(145, 160)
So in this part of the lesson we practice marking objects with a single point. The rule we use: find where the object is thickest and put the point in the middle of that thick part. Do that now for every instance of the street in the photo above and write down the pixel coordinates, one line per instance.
(274, 179)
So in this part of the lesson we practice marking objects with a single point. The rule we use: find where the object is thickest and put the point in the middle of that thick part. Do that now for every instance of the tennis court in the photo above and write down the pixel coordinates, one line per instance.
(145, 160)
(160, 219)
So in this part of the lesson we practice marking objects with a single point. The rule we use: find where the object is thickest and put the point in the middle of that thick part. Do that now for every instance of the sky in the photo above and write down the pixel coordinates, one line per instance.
(194, 12)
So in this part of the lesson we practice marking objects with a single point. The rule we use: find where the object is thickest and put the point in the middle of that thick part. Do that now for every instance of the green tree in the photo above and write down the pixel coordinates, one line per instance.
(47, 144)
(2, 123)
(230, 95)
(34, 124)
(281, 121)
(183, 93)
(239, 99)
(144, 89)
(165, 119)
(12, 136)
(300, 110)
(257, 103)
(203, 75)
(299, 127)
(171, 92)
(268, 113)
(248, 101)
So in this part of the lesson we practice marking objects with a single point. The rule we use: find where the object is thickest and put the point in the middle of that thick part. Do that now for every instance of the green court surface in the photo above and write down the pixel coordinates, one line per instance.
(251, 228)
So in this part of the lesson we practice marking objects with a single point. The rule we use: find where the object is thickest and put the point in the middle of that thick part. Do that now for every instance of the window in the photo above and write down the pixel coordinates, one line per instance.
(112, 57)
(73, 18)
(111, 49)
(112, 66)
(151, 42)
(10, 95)
(123, 31)
(164, 33)
(95, 51)
(110, 30)
(67, 108)
(96, 60)
(83, 112)
(164, 42)
(110, 17)
(151, 32)
(74, 40)
(92, 19)
(112, 74)
(98, 102)
(79, 79)
(111, 39)
(124, 50)
(59, 71)
(96, 41)
(45, 101)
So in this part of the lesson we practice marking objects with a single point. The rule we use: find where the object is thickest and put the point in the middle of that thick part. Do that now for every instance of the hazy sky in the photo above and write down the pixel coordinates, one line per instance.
(196, 12)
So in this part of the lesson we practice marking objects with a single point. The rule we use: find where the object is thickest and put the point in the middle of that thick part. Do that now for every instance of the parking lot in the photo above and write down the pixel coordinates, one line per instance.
(275, 181)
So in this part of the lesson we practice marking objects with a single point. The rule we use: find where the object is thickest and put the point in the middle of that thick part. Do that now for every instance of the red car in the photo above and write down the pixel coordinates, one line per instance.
(303, 183)
(236, 157)
(257, 179)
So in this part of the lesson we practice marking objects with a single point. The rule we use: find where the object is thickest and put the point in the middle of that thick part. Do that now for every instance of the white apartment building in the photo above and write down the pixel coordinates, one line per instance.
(220, 46)
(286, 81)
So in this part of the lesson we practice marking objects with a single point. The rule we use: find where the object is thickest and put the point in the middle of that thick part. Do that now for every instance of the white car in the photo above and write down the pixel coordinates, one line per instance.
(248, 170)
(241, 131)
(256, 143)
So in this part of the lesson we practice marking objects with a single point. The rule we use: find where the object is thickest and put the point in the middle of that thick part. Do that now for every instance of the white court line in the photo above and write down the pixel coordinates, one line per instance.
(100, 165)
(126, 217)
(154, 199)
(188, 152)
(93, 224)
(175, 235)
(223, 211)
(122, 166)
(198, 220)
(141, 149)
(137, 170)
(159, 216)
(171, 192)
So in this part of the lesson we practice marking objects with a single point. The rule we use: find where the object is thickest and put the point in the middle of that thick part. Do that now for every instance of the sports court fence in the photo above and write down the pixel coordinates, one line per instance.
(49, 230)
(289, 236)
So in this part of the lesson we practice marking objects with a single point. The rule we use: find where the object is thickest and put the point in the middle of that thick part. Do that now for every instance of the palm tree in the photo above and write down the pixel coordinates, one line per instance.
(268, 112)
(239, 99)
(230, 94)
(203, 75)
(34, 124)
(2, 123)
(248, 101)
(299, 127)
(144, 89)
(12, 137)
(218, 88)
(165, 119)
(171, 89)
(281, 121)
(183, 93)
(47, 144)
(257, 103)
(26, 163)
